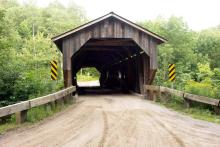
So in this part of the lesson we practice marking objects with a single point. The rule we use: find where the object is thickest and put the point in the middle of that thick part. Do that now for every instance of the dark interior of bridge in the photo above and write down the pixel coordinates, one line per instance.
(118, 60)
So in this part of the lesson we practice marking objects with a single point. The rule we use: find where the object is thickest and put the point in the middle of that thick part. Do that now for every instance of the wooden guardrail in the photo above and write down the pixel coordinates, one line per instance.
(20, 109)
(156, 91)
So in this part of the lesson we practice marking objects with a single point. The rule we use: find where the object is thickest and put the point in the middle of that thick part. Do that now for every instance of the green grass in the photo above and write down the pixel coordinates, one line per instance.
(197, 111)
(39, 113)
(34, 115)
(83, 78)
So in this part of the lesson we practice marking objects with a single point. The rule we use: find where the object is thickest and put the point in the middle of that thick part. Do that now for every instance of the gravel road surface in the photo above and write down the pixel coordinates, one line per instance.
(115, 121)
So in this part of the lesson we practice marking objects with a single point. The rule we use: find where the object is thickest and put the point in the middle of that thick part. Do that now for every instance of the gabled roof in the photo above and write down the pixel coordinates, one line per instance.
(111, 14)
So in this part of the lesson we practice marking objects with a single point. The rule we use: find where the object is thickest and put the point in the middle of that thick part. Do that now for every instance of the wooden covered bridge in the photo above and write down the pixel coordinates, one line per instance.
(123, 52)
(126, 56)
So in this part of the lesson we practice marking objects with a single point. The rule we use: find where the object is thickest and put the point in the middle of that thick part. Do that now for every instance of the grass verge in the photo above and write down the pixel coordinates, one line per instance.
(34, 115)
(198, 111)
(84, 78)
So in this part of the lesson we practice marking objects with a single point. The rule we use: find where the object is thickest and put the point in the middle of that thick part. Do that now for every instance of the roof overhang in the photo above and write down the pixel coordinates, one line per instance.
(111, 14)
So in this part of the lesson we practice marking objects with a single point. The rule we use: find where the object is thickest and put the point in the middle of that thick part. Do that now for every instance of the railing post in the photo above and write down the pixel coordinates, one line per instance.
(66, 99)
(59, 103)
(154, 96)
(145, 92)
(151, 95)
(217, 109)
(71, 98)
(47, 107)
(187, 103)
(159, 93)
(52, 105)
(21, 116)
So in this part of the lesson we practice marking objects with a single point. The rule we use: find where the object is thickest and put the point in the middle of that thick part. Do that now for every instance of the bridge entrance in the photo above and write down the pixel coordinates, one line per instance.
(119, 62)
(124, 53)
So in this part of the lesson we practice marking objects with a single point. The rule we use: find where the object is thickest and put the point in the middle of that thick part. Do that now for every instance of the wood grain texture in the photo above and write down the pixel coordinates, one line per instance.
(110, 28)
(201, 99)
(14, 108)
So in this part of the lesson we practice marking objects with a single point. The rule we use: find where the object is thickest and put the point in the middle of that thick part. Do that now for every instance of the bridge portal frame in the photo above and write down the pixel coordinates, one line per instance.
(125, 41)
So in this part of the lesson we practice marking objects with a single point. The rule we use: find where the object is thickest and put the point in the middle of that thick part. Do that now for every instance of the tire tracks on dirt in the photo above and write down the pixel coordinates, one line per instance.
(178, 140)
(105, 129)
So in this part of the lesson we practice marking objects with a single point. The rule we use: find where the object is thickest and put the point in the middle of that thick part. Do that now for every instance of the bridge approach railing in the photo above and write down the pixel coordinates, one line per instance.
(164, 94)
(20, 109)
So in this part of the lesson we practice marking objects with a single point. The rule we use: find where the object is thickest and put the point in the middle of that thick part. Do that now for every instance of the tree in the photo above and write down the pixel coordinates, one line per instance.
(209, 44)
(26, 48)
(178, 50)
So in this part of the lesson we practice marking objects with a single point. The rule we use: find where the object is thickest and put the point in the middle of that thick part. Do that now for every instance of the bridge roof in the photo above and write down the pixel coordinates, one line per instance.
(109, 15)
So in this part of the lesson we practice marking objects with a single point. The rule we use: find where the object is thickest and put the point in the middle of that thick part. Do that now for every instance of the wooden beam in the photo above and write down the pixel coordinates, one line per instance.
(140, 74)
(186, 96)
(25, 105)
(152, 74)
(109, 42)
(201, 99)
(67, 63)
(145, 66)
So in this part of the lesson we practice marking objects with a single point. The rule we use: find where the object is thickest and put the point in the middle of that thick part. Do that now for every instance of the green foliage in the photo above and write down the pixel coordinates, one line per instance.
(204, 88)
(39, 113)
(209, 44)
(195, 54)
(203, 84)
(26, 48)
(84, 78)
(88, 74)
(178, 50)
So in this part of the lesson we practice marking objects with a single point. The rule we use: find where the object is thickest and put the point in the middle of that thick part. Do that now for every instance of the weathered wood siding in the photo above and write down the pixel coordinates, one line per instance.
(109, 28)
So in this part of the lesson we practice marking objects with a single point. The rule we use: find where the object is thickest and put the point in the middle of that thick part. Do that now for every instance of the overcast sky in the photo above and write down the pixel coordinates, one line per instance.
(199, 14)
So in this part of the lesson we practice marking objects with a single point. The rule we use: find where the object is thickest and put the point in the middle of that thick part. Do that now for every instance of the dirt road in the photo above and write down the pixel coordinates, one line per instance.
(119, 120)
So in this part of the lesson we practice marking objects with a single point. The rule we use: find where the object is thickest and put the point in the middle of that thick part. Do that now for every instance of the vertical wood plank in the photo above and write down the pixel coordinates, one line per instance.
(140, 75)
(146, 65)
(110, 32)
(153, 56)
(135, 35)
(21, 116)
(67, 63)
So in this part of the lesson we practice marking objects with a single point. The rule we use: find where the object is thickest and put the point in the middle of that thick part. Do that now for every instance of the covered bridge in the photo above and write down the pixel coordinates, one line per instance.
(123, 52)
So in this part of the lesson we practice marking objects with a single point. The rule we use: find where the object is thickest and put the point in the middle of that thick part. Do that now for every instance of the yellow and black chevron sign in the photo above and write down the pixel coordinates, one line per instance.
(172, 74)
(53, 70)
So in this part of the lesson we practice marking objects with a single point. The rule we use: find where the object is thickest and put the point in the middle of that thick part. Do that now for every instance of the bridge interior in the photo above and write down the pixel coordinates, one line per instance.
(119, 62)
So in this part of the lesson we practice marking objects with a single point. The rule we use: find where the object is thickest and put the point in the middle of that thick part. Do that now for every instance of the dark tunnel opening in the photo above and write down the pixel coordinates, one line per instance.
(119, 62)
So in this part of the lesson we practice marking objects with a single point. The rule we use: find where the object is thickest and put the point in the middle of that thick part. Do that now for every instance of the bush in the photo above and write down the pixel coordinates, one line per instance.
(204, 88)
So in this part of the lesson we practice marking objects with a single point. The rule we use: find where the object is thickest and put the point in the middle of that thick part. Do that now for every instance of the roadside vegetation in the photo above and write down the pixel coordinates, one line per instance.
(88, 74)
(195, 54)
(26, 48)
(26, 51)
